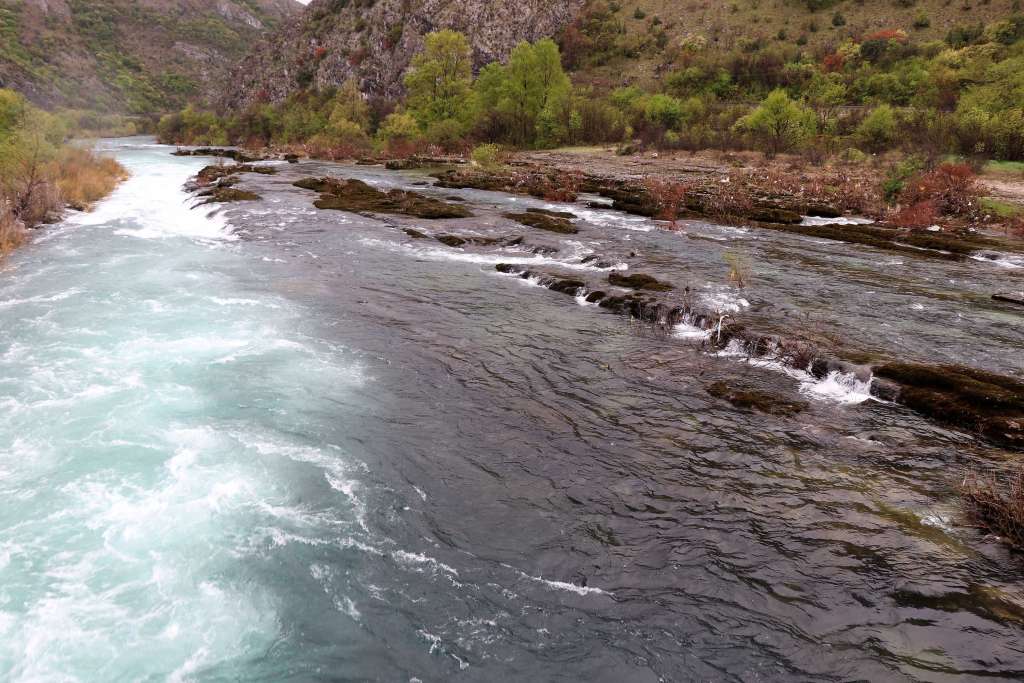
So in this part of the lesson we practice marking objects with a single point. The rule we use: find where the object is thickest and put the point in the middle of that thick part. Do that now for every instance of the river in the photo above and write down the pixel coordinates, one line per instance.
(273, 443)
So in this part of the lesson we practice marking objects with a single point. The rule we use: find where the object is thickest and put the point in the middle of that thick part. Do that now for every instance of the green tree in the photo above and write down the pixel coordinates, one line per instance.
(878, 129)
(399, 128)
(825, 94)
(529, 98)
(439, 83)
(778, 124)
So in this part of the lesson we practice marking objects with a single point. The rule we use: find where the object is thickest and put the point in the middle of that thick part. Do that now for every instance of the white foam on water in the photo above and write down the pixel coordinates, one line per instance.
(723, 300)
(436, 254)
(127, 551)
(1003, 260)
(685, 330)
(152, 204)
(836, 387)
(840, 220)
(564, 585)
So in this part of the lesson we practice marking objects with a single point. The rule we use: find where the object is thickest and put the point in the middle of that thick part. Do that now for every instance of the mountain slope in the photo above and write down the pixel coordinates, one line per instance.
(374, 41)
(134, 56)
(607, 43)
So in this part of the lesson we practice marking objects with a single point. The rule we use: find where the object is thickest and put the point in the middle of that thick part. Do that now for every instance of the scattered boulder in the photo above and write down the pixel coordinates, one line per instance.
(356, 196)
(544, 222)
(595, 260)
(638, 281)
(416, 234)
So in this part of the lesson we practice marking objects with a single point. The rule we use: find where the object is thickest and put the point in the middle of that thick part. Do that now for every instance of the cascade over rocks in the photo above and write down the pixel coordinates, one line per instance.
(984, 403)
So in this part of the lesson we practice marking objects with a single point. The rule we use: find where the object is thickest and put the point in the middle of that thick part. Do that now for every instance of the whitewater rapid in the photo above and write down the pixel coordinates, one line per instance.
(149, 410)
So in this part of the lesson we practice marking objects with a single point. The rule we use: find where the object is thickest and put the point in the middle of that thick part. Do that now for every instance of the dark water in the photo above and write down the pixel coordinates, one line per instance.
(450, 474)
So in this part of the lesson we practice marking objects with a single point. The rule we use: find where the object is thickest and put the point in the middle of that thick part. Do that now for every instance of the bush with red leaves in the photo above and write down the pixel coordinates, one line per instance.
(668, 197)
(916, 216)
(951, 187)
(833, 63)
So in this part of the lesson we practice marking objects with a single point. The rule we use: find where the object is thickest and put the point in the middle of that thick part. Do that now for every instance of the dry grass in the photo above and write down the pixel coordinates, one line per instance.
(83, 177)
(12, 231)
(36, 192)
(997, 504)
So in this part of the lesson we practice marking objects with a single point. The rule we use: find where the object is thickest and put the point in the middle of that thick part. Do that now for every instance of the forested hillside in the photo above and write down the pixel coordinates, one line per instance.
(126, 56)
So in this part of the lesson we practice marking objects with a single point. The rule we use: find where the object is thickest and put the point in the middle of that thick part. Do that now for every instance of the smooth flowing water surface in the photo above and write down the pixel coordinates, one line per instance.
(275, 443)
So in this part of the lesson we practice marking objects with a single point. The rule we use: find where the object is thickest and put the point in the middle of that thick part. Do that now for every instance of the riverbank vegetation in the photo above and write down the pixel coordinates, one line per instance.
(40, 173)
(854, 96)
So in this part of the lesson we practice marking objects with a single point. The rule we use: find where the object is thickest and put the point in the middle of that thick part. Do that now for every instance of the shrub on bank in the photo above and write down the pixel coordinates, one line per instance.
(39, 174)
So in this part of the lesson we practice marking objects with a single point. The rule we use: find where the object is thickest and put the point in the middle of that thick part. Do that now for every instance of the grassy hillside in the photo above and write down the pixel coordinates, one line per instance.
(635, 41)
(132, 56)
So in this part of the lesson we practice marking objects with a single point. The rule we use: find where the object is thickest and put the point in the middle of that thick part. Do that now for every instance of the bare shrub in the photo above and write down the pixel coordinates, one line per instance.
(997, 504)
(668, 196)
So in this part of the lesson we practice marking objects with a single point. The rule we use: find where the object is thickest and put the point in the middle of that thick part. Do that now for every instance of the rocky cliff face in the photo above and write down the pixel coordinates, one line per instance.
(132, 56)
(374, 41)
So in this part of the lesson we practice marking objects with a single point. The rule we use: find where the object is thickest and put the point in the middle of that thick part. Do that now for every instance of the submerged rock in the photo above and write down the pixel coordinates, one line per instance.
(416, 234)
(1010, 298)
(451, 240)
(753, 399)
(544, 222)
(638, 281)
(356, 196)
(553, 214)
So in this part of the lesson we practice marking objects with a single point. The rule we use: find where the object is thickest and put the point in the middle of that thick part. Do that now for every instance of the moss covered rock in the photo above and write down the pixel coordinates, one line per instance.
(752, 399)
(638, 281)
(979, 401)
(356, 196)
(544, 222)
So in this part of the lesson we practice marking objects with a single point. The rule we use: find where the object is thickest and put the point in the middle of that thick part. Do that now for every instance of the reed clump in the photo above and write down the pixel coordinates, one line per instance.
(997, 503)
